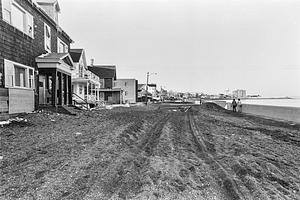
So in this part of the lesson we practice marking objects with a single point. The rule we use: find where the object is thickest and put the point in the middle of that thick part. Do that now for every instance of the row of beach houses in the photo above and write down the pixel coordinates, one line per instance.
(39, 69)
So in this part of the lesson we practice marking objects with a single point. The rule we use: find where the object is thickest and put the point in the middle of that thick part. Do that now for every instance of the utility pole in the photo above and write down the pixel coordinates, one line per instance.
(147, 88)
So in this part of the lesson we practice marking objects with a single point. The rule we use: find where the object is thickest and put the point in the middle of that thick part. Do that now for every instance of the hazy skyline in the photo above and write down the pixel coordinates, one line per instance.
(197, 46)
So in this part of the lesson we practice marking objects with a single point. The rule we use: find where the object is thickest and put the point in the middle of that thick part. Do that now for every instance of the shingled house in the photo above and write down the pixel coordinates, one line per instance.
(107, 74)
(35, 66)
(85, 84)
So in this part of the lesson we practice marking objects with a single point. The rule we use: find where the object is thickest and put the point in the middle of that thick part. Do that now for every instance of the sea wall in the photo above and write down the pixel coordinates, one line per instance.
(276, 112)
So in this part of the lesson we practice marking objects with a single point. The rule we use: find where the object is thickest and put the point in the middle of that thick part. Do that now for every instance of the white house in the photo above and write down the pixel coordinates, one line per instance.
(85, 84)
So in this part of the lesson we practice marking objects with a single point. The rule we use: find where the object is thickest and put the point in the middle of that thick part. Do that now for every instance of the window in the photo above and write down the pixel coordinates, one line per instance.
(47, 37)
(80, 89)
(18, 75)
(80, 70)
(18, 17)
(1, 75)
(101, 83)
(6, 10)
(61, 46)
(31, 78)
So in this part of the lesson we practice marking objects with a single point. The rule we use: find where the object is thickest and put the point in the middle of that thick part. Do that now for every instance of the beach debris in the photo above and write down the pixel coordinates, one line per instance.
(17, 119)
(2, 123)
(52, 120)
(109, 107)
(78, 133)
(1, 157)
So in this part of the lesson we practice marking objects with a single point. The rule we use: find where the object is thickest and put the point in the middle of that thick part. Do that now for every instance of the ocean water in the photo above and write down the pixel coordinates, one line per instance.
(273, 102)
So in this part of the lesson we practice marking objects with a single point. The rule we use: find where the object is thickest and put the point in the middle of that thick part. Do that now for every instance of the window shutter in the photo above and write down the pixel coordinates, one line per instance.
(6, 10)
(30, 25)
(6, 4)
(9, 73)
(47, 38)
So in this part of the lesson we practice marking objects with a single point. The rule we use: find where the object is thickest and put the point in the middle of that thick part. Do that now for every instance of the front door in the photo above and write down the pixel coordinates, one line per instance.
(42, 89)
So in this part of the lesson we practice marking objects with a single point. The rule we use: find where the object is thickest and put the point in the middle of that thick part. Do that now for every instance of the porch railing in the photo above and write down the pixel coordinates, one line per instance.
(83, 102)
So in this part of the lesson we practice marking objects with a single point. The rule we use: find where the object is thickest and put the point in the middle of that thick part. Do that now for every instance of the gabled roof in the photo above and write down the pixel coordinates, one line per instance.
(47, 17)
(55, 58)
(55, 2)
(76, 54)
(104, 71)
(140, 86)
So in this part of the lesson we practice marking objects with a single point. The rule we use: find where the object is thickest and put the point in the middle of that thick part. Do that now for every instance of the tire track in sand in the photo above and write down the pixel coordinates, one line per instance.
(222, 177)
(126, 174)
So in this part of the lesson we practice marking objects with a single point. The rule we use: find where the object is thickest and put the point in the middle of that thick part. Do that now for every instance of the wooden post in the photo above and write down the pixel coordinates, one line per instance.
(98, 93)
(69, 90)
(59, 88)
(87, 91)
(65, 89)
(54, 89)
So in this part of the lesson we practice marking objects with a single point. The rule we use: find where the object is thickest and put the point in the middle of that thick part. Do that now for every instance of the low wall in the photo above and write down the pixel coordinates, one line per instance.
(276, 112)
(20, 100)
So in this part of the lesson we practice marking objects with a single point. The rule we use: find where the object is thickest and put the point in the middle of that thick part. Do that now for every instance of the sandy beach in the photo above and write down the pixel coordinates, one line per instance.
(154, 152)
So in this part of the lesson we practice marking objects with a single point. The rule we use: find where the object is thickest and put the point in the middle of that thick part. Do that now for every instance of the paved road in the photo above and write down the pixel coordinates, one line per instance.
(159, 152)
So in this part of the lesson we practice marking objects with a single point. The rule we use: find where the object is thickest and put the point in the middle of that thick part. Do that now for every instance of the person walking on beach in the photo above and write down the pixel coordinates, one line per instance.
(233, 104)
(239, 105)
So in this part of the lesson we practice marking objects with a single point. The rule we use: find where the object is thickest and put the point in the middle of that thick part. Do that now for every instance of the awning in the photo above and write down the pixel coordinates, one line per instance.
(61, 61)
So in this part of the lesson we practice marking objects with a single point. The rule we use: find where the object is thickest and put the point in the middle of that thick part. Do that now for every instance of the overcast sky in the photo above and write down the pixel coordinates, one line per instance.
(193, 45)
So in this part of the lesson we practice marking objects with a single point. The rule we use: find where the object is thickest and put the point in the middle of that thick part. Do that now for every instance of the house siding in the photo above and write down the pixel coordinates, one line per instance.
(129, 87)
(108, 83)
(17, 104)
(21, 48)
(18, 46)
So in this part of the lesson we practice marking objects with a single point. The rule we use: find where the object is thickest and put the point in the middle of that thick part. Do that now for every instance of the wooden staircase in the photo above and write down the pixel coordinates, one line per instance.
(82, 104)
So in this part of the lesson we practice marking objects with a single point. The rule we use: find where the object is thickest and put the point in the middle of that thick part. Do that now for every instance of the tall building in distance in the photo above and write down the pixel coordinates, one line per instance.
(239, 93)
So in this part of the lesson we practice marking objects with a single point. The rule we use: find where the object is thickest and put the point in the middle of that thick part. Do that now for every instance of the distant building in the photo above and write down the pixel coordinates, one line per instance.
(85, 84)
(239, 94)
(163, 94)
(142, 90)
(107, 75)
(129, 88)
